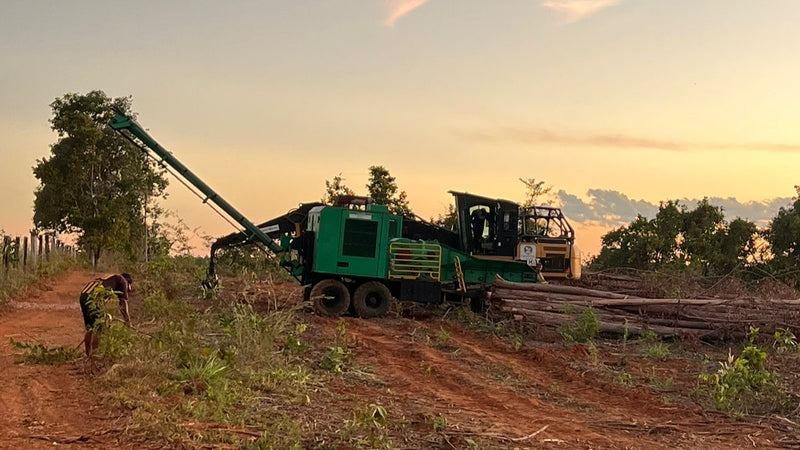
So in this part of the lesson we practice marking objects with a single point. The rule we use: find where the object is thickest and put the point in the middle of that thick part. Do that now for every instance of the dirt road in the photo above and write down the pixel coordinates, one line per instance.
(534, 397)
(44, 406)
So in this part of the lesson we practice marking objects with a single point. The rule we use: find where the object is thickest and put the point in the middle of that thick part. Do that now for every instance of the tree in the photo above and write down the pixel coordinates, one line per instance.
(783, 236)
(94, 183)
(702, 230)
(736, 246)
(447, 220)
(536, 192)
(784, 231)
(383, 189)
(335, 189)
(698, 240)
(636, 245)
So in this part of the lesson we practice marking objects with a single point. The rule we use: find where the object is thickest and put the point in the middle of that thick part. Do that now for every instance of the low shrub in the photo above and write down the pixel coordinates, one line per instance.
(582, 329)
(743, 385)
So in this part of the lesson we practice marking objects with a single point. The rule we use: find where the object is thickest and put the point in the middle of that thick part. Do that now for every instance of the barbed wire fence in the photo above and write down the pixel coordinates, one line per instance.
(30, 253)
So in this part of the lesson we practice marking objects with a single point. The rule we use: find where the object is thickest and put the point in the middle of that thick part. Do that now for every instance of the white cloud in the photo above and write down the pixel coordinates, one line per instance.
(612, 208)
(399, 8)
(574, 10)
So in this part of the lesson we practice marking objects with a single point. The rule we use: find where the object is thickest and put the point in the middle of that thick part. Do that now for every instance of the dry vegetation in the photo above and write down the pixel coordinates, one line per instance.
(250, 367)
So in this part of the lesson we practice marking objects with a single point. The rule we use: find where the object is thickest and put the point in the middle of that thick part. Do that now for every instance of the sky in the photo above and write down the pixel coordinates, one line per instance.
(617, 104)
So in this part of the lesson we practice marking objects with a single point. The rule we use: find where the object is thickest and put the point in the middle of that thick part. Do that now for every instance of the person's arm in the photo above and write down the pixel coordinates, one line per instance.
(123, 308)
(123, 300)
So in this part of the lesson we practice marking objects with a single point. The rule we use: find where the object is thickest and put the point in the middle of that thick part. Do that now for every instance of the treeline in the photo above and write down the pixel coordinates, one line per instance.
(700, 241)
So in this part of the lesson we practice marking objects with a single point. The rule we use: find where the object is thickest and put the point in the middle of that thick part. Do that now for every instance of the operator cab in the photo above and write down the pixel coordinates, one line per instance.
(501, 229)
(487, 226)
(546, 223)
(552, 238)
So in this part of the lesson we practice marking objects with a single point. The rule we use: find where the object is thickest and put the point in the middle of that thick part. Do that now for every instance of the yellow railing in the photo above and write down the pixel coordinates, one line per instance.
(412, 260)
(460, 275)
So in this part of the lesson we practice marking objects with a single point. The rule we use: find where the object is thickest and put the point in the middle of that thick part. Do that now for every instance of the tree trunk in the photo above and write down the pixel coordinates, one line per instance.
(95, 257)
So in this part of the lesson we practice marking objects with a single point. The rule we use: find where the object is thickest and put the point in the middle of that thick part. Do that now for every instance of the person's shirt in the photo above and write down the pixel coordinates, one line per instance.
(116, 283)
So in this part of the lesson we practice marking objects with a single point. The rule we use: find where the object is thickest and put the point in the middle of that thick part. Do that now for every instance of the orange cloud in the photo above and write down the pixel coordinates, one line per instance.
(537, 136)
(532, 136)
(574, 10)
(399, 8)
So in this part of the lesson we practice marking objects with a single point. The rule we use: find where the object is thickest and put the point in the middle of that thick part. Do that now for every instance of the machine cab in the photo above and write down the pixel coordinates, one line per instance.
(501, 229)
(547, 232)
(487, 226)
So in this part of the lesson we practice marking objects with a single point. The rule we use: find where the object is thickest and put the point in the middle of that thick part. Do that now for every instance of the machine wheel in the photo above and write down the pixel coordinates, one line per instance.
(372, 299)
(330, 298)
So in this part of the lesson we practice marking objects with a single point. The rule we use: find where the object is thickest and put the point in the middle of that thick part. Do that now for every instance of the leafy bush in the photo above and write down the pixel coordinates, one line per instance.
(369, 428)
(583, 329)
(744, 385)
(117, 341)
(335, 359)
(785, 340)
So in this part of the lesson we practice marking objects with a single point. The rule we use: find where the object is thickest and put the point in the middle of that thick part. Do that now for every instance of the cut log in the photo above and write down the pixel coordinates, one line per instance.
(556, 305)
(554, 288)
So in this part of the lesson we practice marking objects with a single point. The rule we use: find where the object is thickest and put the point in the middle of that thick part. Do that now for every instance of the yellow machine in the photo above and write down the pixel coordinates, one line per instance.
(548, 236)
(497, 229)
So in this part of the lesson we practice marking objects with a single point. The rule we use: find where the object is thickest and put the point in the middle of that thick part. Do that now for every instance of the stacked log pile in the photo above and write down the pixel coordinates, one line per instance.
(557, 305)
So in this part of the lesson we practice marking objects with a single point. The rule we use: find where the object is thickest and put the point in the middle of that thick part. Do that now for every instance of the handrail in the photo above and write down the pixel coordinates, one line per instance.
(413, 260)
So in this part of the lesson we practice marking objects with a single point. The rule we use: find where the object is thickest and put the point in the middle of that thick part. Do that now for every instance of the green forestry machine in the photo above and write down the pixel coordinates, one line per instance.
(357, 256)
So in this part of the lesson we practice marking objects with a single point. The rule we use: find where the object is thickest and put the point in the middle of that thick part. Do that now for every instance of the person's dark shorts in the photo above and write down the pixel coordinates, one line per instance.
(90, 315)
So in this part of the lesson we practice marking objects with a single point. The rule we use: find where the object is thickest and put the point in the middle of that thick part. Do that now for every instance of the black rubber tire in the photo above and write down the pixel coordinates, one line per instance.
(330, 298)
(372, 299)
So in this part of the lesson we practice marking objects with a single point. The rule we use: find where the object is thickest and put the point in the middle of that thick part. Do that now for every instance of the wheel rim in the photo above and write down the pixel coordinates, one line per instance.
(373, 300)
(330, 298)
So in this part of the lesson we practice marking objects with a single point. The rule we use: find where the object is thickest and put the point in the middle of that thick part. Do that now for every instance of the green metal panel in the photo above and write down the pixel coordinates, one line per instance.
(482, 270)
(362, 236)
(352, 242)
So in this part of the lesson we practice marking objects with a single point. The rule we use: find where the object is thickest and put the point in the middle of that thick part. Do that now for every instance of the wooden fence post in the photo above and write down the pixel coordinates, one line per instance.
(25, 254)
(33, 250)
(6, 249)
(41, 250)
(16, 252)
(47, 247)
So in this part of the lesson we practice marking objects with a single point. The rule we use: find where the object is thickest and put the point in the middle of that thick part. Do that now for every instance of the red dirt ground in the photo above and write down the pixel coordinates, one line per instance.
(44, 406)
(540, 397)
(486, 388)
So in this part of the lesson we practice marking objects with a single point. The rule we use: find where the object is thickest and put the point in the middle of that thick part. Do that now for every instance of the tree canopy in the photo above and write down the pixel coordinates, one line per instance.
(699, 240)
(335, 189)
(383, 189)
(94, 182)
(783, 236)
(536, 192)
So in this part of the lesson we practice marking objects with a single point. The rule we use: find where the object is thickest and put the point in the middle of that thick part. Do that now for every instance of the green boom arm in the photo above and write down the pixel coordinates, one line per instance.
(122, 122)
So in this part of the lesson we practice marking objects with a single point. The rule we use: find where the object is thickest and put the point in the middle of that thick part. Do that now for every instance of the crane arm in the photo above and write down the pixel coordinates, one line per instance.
(128, 127)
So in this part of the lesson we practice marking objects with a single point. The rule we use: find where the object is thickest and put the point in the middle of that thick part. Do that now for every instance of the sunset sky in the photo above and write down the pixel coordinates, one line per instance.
(617, 104)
